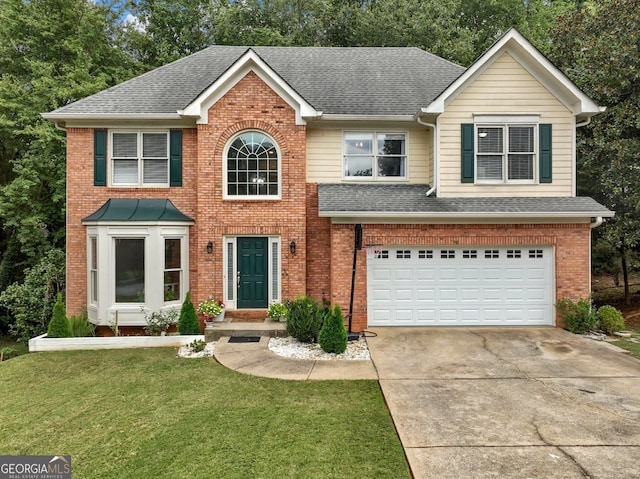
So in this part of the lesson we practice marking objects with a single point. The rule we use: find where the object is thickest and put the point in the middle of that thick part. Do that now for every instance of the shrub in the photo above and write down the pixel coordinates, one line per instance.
(304, 319)
(611, 320)
(81, 327)
(277, 312)
(160, 321)
(31, 300)
(59, 326)
(333, 335)
(579, 317)
(188, 322)
(197, 345)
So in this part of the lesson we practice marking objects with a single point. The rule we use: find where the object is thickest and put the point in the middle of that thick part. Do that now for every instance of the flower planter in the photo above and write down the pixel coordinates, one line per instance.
(220, 317)
(42, 343)
(208, 325)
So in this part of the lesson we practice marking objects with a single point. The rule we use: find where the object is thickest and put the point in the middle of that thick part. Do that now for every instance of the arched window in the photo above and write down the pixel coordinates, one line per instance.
(253, 166)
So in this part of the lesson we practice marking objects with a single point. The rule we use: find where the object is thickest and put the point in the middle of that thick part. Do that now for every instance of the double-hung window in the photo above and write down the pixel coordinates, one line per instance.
(506, 153)
(140, 158)
(375, 156)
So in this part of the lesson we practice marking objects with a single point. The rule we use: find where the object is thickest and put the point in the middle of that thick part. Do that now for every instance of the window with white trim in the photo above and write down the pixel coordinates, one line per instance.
(375, 156)
(129, 276)
(506, 153)
(140, 158)
(252, 166)
(172, 289)
(93, 270)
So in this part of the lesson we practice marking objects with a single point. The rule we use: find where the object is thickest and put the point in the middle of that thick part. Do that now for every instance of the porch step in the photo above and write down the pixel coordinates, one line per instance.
(272, 329)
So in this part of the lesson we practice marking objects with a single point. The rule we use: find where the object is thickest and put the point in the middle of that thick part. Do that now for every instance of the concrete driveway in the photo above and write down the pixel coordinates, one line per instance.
(510, 403)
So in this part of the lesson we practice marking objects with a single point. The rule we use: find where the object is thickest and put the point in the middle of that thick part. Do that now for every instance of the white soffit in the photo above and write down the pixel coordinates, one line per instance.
(250, 61)
(531, 60)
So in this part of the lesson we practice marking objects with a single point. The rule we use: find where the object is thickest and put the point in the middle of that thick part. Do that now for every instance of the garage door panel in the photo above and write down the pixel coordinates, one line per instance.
(461, 285)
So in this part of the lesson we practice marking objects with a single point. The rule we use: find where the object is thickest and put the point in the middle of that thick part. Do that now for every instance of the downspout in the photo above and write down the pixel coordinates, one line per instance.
(596, 223)
(583, 123)
(436, 162)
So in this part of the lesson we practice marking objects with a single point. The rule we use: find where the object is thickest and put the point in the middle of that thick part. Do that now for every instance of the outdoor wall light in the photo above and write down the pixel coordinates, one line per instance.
(292, 247)
(209, 247)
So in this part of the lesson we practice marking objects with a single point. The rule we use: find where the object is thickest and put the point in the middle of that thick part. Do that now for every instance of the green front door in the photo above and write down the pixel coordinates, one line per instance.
(252, 273)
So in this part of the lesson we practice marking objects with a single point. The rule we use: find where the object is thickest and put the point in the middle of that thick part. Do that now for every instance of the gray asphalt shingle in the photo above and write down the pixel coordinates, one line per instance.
(353, 81)
(401, 199)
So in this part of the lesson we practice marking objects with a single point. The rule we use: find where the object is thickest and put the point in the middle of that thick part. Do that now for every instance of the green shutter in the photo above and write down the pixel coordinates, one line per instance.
(99, 157)
(545, 153)
(468, 153)
(175, 158)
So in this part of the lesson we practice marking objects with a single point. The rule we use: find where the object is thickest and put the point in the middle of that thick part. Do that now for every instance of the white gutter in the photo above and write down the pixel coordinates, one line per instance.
(110, 116)
(468, 214)
(596, 223)
(339, 117)
(436, 162)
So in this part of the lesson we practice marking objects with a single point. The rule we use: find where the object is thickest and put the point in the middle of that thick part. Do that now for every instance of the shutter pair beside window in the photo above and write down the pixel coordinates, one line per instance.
(468, 153)
(100, 158)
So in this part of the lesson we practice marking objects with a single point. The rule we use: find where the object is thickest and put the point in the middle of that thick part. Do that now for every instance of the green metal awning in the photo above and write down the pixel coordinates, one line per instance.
(137, 210)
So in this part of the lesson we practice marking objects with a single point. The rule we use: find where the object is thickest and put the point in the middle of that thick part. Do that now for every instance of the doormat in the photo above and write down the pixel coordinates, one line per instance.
(244, 339)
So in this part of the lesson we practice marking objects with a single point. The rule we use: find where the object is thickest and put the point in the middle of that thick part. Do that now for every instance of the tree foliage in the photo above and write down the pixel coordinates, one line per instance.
(31, 301)
(188, 322)
(59, 326)
(599, 48)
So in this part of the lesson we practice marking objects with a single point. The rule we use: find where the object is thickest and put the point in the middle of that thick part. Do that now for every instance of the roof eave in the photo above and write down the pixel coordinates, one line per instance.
(249, 61)
(345, 117)
(469, 214)
(53, 116)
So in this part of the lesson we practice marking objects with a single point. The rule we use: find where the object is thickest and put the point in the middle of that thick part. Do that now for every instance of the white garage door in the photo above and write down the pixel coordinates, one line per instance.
(456, 286)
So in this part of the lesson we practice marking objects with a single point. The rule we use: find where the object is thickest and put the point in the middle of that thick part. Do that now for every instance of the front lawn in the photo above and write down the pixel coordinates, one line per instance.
(146, 413)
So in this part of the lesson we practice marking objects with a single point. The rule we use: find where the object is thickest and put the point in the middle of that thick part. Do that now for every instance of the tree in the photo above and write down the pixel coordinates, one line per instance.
(59, 326)
(599, 48)
(52, 52)
(31, 301)
(188, 322)
(333, 335)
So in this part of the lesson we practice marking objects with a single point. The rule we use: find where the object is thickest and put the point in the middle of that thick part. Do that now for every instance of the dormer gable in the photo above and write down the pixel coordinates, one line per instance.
(530, 58)
(250, 61)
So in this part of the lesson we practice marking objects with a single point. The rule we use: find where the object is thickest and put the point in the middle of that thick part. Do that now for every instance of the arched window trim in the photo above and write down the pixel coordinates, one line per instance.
(225, 162)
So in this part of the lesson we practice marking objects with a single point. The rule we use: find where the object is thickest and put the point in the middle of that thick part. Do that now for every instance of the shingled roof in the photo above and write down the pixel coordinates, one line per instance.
(411, 200)
(349, 81)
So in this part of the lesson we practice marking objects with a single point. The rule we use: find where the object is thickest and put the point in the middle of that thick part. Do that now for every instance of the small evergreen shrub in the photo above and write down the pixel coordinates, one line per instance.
(611, 320)
(579, 317)
(333, 335)
(59, 326)
(304, 319)
(81, 327)
(188, 322)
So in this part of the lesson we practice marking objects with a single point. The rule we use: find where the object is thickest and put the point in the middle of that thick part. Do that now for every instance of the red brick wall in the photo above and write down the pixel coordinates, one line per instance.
(571, 241)
(251, 104)
(318, 248)
(83, 199)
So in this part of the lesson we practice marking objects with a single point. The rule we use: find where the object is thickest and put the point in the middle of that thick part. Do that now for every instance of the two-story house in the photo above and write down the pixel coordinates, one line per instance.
(243, 173)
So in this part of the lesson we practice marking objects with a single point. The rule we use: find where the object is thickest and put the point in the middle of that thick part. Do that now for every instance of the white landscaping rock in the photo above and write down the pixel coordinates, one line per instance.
(187, 352)
(291, 348)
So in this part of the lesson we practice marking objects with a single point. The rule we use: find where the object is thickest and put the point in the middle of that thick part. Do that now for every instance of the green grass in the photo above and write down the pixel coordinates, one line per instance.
(632, 346)
(148, 414)
(10, 348)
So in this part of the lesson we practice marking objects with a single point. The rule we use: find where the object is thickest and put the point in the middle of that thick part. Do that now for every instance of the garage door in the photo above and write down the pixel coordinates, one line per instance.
(458, 286)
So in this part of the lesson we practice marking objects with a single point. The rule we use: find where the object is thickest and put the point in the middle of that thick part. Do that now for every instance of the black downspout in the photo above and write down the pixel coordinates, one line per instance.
(357, 244)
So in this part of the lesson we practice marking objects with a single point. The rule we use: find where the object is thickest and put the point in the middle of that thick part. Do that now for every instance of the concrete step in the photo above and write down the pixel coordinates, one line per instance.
(272, 329)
